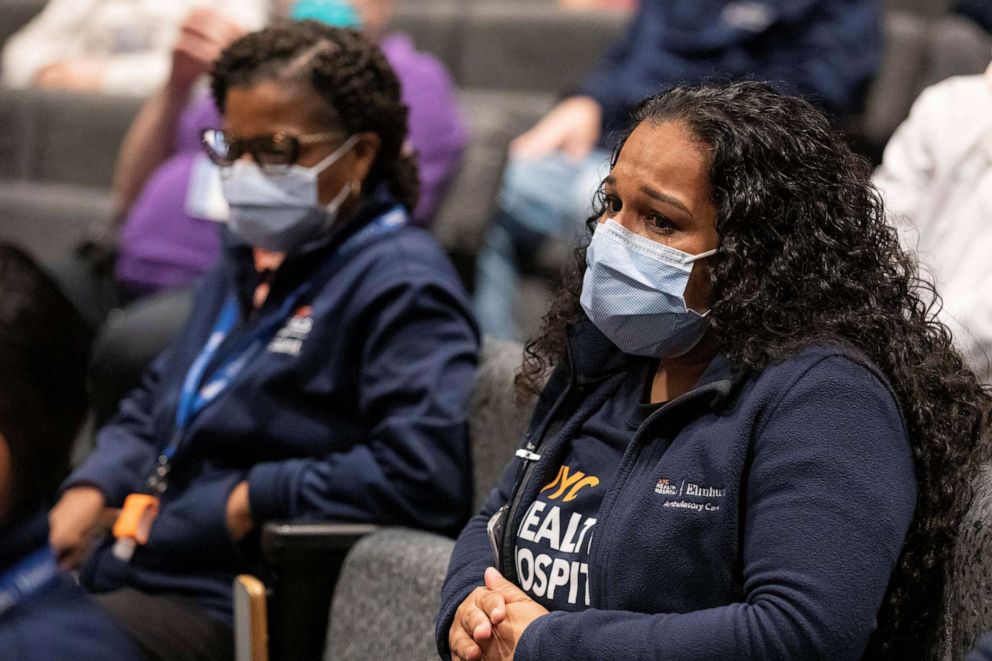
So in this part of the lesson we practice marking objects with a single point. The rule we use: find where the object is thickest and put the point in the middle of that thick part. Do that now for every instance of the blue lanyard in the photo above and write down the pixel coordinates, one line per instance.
(196, 395)
(26, 577)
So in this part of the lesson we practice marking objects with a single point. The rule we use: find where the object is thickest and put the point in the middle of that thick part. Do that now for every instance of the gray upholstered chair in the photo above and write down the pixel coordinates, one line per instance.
(387, 597)
(388, 594)
(59, 151)
(967, 609)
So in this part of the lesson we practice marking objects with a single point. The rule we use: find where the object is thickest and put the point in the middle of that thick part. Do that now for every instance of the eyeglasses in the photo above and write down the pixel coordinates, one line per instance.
(273, 153)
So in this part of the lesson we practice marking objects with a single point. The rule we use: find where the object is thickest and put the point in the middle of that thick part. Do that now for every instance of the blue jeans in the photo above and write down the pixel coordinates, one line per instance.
(548, 198)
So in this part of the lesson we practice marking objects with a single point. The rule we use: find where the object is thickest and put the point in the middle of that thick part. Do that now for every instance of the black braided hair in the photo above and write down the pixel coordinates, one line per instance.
(807, 256)
(346, 70)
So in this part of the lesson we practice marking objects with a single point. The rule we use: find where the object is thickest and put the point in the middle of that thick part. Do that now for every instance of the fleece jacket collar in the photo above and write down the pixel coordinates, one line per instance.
(298, 267)
(593, 358)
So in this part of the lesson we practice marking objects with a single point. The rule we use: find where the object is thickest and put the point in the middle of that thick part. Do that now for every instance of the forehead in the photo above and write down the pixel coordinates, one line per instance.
(665, 155)
(276, 105)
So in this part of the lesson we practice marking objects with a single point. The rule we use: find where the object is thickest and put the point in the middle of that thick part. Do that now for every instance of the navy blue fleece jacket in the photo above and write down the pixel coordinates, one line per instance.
(355, 411)
(59, 620)
(758, 516)
(827, 50)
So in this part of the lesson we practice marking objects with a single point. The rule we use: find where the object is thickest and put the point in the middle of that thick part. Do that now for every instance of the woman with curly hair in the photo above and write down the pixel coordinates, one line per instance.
(756, 441)
(325, 368)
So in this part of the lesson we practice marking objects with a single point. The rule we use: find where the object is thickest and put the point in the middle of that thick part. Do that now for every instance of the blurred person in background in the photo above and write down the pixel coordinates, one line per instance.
(324, 371)
(111, 46)
(936, 179)
(826, 50)
(168, 197)
(44, 615)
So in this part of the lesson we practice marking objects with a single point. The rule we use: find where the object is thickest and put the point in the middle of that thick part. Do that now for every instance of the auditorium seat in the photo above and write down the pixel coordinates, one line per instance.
(388, 596)
(967, 607)
(59, 150)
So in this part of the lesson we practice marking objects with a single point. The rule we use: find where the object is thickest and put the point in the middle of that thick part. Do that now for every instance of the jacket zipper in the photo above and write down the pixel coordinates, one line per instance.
(530, 460)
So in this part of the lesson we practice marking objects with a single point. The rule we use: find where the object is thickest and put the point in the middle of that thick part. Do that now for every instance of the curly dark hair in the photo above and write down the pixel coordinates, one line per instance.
(806, 256)
(349, 72)
(44, 353)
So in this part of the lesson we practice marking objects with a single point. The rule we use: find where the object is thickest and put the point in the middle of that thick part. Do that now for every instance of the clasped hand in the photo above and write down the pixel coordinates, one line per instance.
(489, 623)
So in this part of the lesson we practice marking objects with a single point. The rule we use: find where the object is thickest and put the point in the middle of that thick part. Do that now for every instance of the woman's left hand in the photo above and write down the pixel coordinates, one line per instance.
(239, 521)
(511, 611)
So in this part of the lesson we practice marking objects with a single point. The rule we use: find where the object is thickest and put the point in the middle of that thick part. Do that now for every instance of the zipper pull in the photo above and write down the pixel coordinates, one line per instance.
(527, 455)
(160, 478)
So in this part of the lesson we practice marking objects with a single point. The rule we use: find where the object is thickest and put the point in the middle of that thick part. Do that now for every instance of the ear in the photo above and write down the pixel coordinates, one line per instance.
(364, 154)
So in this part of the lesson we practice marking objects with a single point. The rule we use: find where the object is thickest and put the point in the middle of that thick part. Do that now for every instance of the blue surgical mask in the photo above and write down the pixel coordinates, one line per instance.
(634, 292)
(282, 211)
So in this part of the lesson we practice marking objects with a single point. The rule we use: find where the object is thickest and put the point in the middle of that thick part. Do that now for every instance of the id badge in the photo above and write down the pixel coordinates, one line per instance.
(204, 195)
(494, 529)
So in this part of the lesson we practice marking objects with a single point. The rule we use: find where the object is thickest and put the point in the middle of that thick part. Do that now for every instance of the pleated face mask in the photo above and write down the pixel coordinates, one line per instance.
(634, 292)
(281, 212)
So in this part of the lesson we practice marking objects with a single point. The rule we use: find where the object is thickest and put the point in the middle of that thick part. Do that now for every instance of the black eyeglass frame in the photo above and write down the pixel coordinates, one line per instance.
(256, 145)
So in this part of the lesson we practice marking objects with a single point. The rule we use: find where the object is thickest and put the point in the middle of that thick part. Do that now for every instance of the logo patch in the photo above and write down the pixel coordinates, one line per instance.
(686, 493)
(289, 339)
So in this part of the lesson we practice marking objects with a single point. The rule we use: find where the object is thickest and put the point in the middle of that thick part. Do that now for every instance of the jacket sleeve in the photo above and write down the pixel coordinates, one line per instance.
(416, 376)
(828, 501)
(127, 446)
(471, 557)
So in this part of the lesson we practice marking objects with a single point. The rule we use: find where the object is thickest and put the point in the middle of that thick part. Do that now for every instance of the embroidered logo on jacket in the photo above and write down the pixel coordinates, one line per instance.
(684, 490)
(569, 482)
(289, 339)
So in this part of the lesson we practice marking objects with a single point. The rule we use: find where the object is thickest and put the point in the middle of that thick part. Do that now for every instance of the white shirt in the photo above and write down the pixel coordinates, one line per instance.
(133, 37)
(936, 180)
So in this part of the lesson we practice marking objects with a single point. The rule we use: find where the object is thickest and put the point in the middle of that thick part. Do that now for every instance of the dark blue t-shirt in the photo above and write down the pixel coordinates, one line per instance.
(556, 533)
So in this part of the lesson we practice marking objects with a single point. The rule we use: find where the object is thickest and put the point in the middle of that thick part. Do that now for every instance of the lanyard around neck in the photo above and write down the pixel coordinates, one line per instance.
(199, 389)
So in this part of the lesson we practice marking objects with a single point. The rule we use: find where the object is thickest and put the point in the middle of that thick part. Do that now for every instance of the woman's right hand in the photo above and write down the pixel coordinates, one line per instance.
(79, 518)
(475, 619)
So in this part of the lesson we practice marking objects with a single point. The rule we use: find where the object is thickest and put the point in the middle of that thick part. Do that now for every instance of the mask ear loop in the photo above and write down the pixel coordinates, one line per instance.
(702, 255)
(335, 155)
(693, 260)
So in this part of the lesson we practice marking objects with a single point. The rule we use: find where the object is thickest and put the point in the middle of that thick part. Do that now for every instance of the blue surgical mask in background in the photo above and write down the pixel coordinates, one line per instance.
(281, 212)
(336, 13)
(634, 292)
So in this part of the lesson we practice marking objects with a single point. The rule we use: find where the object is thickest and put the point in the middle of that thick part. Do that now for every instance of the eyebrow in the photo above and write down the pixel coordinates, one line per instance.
(658, 195)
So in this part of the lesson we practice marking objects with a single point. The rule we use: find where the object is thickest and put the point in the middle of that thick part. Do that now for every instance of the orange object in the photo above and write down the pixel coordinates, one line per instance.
(136, 517)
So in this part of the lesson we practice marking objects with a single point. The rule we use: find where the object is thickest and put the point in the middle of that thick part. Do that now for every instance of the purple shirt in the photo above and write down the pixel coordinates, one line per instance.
(162, 247)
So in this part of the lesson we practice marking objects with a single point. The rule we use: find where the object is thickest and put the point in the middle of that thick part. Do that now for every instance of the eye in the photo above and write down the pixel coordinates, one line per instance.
(660, 223)
(611, 203)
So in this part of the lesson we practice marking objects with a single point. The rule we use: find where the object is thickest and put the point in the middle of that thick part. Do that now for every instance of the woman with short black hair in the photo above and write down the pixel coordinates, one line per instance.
(324, 370)
(756, 442)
